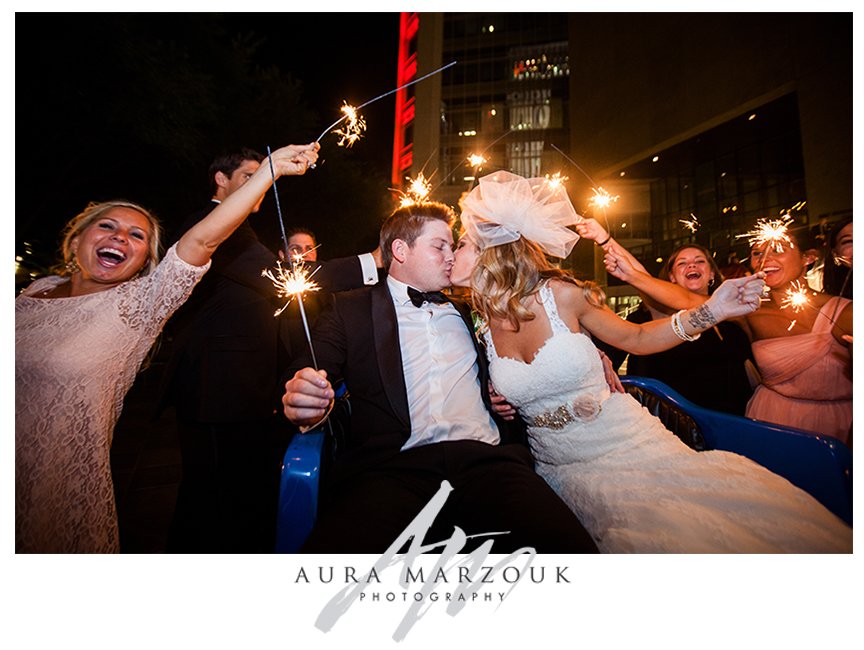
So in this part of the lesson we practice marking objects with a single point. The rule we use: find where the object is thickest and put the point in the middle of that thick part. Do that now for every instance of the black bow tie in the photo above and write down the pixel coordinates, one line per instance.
(419, 297)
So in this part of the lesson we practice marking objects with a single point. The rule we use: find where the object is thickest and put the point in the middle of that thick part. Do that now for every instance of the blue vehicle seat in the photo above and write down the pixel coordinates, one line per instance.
(817, 464)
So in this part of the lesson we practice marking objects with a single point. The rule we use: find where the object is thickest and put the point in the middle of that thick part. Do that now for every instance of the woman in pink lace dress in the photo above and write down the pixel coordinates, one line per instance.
(804, 361)
(80, 338)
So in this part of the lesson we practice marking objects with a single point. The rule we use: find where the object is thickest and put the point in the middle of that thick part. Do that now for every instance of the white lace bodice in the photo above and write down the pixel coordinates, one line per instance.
(75, 360)
(565, 371)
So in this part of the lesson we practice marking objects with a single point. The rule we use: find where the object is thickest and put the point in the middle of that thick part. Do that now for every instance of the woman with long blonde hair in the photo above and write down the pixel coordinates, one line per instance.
(80, 337)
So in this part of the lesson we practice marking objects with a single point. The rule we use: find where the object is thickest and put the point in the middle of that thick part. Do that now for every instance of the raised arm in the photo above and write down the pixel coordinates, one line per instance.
(591, 229)
(196, 246)
(662, 292)
(733, 298)
(621, 264)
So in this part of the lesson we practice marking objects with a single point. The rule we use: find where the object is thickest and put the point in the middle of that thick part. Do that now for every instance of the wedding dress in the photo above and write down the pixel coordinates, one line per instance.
(633, 484)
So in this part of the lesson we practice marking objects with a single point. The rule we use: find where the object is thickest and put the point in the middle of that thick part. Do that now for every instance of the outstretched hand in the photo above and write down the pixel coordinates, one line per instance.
(591, 229)
(294, 159)
(619, 264)
(737, 297)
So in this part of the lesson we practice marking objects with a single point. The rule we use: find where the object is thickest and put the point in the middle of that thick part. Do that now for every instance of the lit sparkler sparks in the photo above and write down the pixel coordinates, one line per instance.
(417, 192)
(772, 233)
(797, 297)
(354, 126)
(347, 114)
(601, 199)
(291, 283)
(476, 160)
(691, 224)
(556, 180)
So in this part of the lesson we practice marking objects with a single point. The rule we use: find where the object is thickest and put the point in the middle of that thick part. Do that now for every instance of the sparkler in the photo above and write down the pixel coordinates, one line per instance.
(556, 180)
(417, 192)
(476, 160)
(602, 200)
(691, 224)
(796, 297)
(293, 283)
(353, 111)
(290, 284)
(353, 129)
(773, 233)
(276, 196)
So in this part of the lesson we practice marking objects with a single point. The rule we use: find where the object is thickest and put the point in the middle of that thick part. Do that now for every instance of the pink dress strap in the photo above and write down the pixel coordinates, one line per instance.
(829, 312)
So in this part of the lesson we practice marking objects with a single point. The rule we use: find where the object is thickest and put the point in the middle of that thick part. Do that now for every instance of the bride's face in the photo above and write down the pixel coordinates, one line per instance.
(466, 259)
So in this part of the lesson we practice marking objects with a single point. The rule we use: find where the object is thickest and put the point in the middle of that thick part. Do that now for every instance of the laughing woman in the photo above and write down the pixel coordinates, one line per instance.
(711, 372)
(80, 337)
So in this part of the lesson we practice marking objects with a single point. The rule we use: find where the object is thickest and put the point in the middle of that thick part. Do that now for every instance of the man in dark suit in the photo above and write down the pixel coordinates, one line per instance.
(421, 412)
(223, 379)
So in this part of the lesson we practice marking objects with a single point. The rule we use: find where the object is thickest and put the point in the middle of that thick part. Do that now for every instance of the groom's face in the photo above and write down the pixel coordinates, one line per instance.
(426, 265)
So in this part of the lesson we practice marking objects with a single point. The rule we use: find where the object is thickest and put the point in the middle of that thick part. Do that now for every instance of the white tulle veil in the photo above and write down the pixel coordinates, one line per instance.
(505, 206)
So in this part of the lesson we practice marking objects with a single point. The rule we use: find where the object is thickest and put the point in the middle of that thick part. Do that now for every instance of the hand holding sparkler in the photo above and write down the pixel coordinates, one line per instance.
(737, 297)
(590, 228)
(294, 159)
(308, 398)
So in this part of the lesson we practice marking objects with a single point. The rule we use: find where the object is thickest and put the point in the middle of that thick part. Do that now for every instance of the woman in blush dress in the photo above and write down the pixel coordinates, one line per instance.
(633, 484)
(802, 356)
(80, 338)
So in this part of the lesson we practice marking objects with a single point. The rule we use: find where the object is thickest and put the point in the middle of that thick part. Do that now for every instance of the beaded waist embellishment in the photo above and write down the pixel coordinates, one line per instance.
(585, 409)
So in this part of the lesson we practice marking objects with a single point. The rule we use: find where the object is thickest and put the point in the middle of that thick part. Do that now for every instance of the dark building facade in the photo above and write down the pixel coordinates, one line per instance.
(725, 118)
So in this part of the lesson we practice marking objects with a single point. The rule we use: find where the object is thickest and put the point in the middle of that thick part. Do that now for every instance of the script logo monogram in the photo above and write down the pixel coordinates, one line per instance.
(466, 569)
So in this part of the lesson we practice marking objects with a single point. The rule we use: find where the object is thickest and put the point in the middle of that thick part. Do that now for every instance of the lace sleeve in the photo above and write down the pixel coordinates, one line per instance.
(149, 301)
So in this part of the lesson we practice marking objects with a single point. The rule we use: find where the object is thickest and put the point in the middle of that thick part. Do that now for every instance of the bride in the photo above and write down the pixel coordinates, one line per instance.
(634, 485)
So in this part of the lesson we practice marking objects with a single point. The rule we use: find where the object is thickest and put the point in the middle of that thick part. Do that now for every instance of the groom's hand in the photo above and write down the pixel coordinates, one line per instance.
(612, 379)
(500, 405)
(307, 396)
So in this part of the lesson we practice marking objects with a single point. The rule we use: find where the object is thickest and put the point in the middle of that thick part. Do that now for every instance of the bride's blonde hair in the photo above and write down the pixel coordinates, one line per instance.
(506, 274)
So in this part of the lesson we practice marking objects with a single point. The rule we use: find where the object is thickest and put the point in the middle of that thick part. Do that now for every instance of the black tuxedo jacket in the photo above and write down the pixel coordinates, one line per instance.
(357, 340)
(227, 348)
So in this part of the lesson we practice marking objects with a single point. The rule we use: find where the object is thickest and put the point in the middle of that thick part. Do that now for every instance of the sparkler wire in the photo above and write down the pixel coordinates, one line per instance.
(306, 328)
(383, 95)
(278, 207)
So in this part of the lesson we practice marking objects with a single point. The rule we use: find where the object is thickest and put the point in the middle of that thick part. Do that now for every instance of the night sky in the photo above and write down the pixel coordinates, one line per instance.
(136, 106)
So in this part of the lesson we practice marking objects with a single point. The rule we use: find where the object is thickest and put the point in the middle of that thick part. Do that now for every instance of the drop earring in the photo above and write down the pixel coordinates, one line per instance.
(72, 266)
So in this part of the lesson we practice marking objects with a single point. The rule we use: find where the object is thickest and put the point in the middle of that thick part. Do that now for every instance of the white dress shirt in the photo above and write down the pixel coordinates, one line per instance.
(439, 362)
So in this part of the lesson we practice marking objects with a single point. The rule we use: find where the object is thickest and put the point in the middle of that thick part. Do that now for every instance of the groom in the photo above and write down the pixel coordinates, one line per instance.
(420, 412)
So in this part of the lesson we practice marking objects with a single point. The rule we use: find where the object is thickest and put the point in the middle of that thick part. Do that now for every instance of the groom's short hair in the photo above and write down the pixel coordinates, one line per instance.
(406, 223)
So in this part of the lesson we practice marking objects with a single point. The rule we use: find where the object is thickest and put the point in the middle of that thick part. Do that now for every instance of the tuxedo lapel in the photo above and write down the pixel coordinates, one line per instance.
(386, 334)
